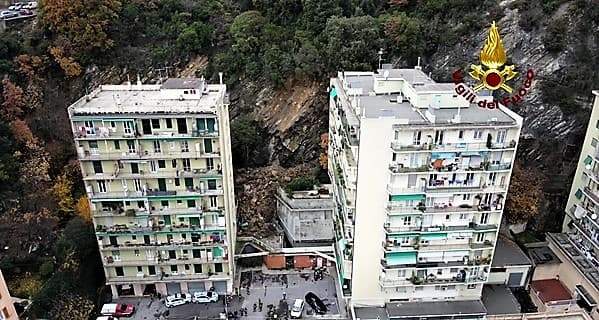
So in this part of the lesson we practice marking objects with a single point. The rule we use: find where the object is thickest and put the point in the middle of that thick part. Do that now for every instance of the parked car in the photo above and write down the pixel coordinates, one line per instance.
(25, 12)
(297, 309)
(16, 6)
(8, 14)
(107, 318)
(118, 310)
(30, 5)
(315, 303)
(177, 299)
(205, 297)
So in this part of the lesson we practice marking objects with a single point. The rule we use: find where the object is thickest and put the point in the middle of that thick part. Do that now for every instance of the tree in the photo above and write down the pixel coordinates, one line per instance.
(12, 106)
(525, 195)
(70, 306)
(62, 190)
(351, 43)
(83, 210)
(323, 159)
(195, 38)
(405, 34)
(80, 27)
(316, 13)
(21, 132)
(246, 142)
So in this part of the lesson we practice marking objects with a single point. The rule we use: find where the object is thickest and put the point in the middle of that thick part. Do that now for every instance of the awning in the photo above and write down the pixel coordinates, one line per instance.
(434, 236)
(407, 197)
(396, 258)
(443, 155)
(588, 160)
(471, 154)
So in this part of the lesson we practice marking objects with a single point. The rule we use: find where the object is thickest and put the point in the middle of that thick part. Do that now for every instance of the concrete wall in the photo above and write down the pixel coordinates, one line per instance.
(503, 277)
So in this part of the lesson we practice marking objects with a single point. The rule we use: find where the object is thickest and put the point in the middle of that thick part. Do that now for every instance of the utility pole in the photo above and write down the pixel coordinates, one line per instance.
(380, 53)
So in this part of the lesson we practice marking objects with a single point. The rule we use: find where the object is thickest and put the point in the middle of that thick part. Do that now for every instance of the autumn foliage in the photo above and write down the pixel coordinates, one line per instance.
(525, 195)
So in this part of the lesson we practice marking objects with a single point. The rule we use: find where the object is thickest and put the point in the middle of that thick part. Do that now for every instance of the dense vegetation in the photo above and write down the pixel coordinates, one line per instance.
(48, 248)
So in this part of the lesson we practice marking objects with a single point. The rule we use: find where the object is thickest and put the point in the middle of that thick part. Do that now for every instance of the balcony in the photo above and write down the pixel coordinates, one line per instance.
(591, 195)
(394, 209)
(167, 278)
(154, 193)
(424, 263)
(453, 168)
(118, 229)
(398, 190)
(397, 146)
(142, 155)
(132, 245)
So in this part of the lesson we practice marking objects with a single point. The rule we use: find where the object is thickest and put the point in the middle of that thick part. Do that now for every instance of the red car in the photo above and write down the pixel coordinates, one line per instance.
(118, 310)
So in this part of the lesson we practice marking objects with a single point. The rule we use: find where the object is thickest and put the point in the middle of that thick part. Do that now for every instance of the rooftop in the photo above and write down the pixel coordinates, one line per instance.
(542, 255)
(320, 198)
(507, 253)
(359, 99)
(573, 247)
(170, 97)
(550, 290)
(418, 310)
(498, 299)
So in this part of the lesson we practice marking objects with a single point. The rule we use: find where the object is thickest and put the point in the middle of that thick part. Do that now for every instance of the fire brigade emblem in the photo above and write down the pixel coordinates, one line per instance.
(490, 74)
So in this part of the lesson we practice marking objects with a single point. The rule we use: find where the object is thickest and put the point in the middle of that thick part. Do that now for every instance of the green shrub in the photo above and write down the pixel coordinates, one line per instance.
(301, 184)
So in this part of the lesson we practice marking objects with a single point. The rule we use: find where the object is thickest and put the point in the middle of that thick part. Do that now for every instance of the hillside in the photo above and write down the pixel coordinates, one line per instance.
(277, 57)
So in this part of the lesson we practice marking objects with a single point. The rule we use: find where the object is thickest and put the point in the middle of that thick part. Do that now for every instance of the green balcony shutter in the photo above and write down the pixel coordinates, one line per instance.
(588, 160)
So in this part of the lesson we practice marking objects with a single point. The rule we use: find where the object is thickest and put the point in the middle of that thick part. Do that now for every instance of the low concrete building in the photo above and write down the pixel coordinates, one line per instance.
(307, 216)
(510, 266)
(7, 309)
(550, 295)
(433, 310)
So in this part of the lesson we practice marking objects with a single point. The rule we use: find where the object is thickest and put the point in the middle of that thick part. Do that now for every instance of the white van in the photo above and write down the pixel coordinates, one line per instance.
(298, 309)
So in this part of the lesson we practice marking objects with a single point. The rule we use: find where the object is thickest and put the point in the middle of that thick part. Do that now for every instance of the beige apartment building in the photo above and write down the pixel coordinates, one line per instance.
(7, 309)
(156, 163)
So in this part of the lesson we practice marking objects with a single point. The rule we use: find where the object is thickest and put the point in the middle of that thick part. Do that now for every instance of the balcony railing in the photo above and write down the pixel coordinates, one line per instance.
(394, 208)
(144, 154)
(154, 193)
(123, 228)
(202, 243)
(397, 146)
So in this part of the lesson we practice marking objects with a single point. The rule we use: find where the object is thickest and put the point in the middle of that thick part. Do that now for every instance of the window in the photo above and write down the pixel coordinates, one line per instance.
(137, 184)
(93, 144)
(208, 145)
(596, 125)
(139, 269)
(134, 167)
(463, 216)
(578, 194)
(471, 286)
(177, 182)
(155, 123)
(501, 134)
(119, 271)
(439, 272)
(112, 124)
(174, 163)
(218, 267)
(466, 196)
(447, 217)
(454, 270)
(184, 146)
(191, 203)
(416, 137)
(102, 186)
(210, 164)
(89, 127)
(131, 146)
(186, 267)
(128, 127)
(594, 142)
(189, 183)
(174, 268)
(212, 184)
(169, 123)
(197, 268)
(157, 148)
(588, 160)
(418, 288)
(164, 203)
(213, 201)
(407, 221)
(461, 134)
(136, 252)
(161, 164)
(117, 145)
(97, 166)
(152, 270)
(186, 164)
(478, 134)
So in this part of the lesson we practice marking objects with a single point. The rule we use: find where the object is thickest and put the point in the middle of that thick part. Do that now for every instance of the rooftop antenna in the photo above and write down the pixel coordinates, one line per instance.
(418, 65)
(138, 82)
(380, 53)
(220, 76)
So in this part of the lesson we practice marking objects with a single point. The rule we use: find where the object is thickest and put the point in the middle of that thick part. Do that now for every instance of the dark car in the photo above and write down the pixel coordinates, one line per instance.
(315, 303)
(25, 12)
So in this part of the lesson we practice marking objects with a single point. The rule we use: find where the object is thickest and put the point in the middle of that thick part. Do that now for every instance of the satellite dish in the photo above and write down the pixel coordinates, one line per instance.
(386, 74)
(594, 216)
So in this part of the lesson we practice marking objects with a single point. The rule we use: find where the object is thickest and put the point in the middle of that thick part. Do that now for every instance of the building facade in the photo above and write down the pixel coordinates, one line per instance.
(156, 164)
(7, 308)
(306, 216)
(578, 246)
(419, 177)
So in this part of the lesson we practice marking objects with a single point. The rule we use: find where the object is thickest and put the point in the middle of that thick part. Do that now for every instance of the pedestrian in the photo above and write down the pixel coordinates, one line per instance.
(265, 290)
(284, 295)
(260, 304)
(255, 306)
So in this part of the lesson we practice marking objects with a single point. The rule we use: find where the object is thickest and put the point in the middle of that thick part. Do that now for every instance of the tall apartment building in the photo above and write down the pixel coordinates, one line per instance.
(156, 163)
(420, 177)
(578, 246)
(7, 308)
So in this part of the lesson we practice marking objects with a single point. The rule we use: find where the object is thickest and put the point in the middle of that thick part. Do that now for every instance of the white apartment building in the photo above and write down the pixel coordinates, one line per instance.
(578, 246)
(420, 177)
(156, 163)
